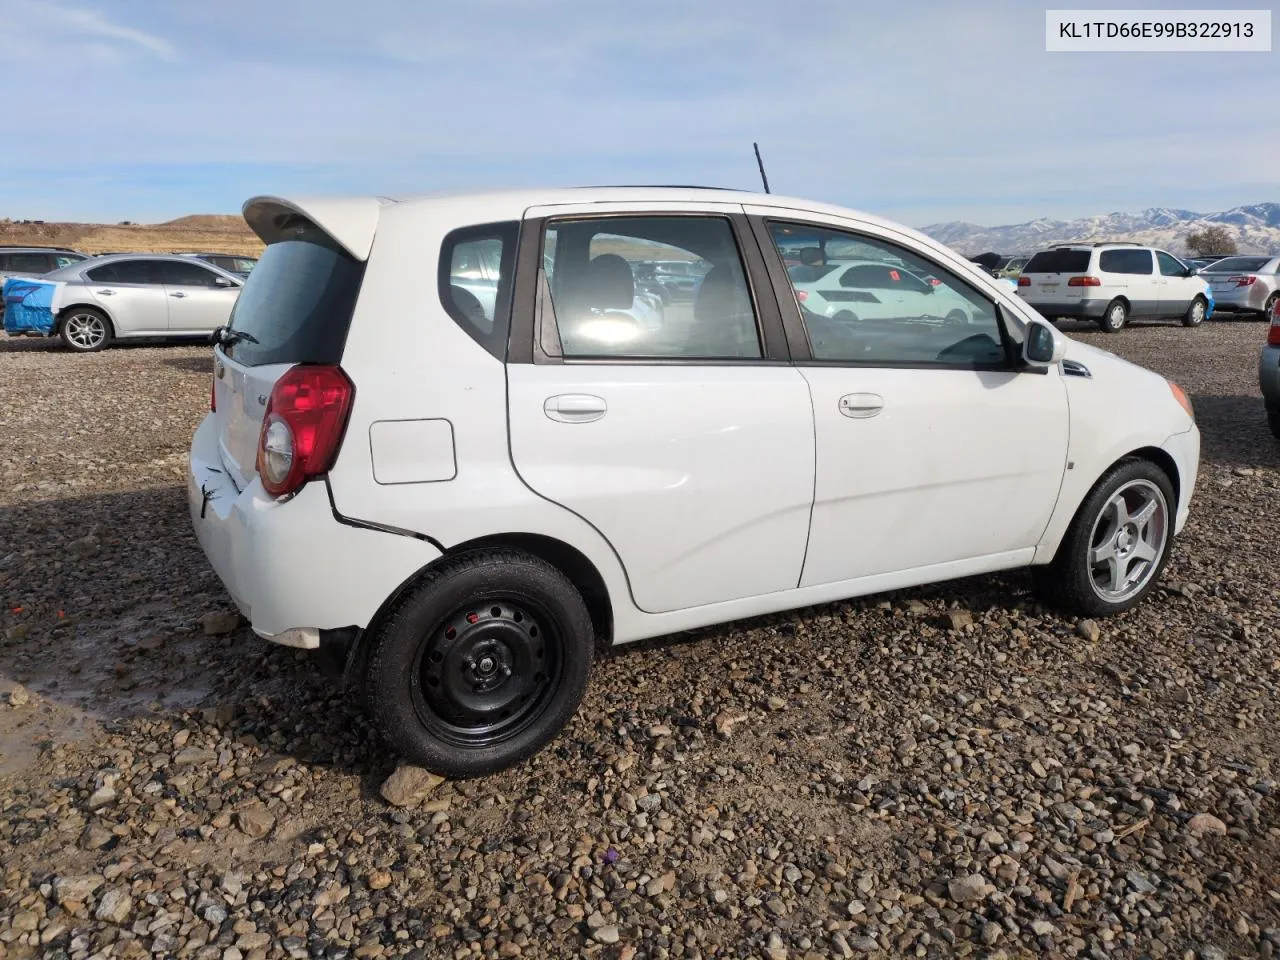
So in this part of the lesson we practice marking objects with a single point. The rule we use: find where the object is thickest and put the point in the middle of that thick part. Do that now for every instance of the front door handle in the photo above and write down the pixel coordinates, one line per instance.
(106, 293)
(179, 294)
(861, 405)
(574, 407)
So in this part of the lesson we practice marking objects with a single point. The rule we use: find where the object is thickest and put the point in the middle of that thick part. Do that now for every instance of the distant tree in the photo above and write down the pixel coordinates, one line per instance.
(1207, 241)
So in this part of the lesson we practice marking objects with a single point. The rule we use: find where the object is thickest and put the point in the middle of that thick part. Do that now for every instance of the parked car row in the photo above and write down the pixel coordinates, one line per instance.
(89, 302)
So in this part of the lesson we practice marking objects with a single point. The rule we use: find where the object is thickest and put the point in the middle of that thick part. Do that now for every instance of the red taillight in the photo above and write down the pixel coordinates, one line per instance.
(802, 295)
(934, 281)
(1273, 333)
(1024, 281)
(302, 427)
(1084, 282)
(1242, 281)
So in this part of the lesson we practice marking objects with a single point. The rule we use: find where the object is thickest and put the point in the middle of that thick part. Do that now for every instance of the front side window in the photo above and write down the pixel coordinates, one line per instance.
(1133, 262)
(646, 287)
(1170, 266)
(876, 303)
(178, 274)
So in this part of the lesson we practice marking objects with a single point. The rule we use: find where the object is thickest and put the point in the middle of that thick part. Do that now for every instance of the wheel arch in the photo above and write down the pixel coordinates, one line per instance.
(1152, 454)
(570, 561)
(84, 305)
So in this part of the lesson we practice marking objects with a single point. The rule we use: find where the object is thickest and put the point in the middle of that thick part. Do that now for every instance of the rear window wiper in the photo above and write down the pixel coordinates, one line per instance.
(224, 336)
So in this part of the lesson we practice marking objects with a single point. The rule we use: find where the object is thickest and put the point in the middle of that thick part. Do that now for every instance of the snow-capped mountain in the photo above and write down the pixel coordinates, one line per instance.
(1255, 229)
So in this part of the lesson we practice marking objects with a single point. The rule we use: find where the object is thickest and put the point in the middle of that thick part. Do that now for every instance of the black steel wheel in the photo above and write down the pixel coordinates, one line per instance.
(481, 663)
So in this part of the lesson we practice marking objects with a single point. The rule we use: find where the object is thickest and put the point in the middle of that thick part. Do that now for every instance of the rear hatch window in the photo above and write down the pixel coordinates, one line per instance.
(1058, 261)
(297, 304)
(1239, 265)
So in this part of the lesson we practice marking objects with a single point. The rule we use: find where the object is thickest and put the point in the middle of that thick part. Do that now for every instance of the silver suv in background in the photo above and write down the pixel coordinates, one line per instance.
(1111, 283)
(1245, 284)
(35, 261)
(230, 262)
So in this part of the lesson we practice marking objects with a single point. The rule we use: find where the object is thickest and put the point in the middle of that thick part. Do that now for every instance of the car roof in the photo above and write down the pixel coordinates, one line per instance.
(18, 248)
(352, 221)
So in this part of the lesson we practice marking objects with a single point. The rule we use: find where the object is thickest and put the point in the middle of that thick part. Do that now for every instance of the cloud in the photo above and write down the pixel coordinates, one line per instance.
(947, 113)
(37, 29)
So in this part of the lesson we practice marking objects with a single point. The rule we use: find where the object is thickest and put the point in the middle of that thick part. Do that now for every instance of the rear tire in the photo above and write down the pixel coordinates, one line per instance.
(1269, 306)
(1094, 542)
(1195, 313)
(481, 664)
(85, 330)
(1273, 421)
(1115, 317)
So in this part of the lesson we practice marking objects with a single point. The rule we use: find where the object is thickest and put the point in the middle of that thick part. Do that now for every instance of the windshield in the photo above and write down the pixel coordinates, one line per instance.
(296, 305)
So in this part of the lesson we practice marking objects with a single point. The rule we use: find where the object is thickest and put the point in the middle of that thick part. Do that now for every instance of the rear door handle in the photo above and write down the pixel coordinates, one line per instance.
(574, 407)
(861, 405)
(106, 293)
(179, 294)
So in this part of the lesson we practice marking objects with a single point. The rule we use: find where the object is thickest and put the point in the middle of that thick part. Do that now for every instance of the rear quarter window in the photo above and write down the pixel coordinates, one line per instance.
(475, 274)
(298, 302)
(1058, 261)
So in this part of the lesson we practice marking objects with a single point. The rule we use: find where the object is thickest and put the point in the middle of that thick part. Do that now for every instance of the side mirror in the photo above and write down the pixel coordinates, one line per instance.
(1193, 271)
(222, 282)
(1044, 345)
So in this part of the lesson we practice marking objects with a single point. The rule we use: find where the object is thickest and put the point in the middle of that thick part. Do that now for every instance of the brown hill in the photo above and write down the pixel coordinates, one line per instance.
(212, 233)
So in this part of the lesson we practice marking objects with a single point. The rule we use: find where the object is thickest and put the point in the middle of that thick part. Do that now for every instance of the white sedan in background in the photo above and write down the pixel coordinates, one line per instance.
(103, 299)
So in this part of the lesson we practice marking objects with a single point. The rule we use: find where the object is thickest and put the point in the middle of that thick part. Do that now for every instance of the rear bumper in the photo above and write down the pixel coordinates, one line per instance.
(1269, 376)
(291, 567)
(1075, 309)
(1241, 298)
(1184, 448)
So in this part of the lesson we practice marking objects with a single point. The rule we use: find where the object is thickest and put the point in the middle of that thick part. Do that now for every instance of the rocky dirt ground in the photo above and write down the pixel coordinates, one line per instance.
(950, 771)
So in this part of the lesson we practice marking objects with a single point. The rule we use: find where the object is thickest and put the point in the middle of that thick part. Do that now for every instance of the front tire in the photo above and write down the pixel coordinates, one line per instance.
(1273, 421)
(1117, 545)
(481, 664)
(1195, 313)
(85, 330)
(1115, 317)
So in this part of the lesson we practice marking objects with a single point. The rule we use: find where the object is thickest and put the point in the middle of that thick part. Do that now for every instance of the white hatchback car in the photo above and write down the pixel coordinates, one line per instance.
(1112, 283)
(466, 499)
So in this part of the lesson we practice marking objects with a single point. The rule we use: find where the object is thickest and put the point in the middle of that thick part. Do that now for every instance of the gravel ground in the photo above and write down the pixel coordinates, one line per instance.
(949, 771)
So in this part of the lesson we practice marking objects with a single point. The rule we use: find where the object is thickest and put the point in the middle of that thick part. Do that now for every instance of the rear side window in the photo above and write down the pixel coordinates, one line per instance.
(1240, 264)
(1125, 261)
(26, 262)
(123, 271)
(476, 268)
(297, 304)
(1058, 261)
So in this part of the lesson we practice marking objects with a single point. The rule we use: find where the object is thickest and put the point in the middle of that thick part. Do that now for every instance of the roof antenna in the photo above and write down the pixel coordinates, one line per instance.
(760, 164)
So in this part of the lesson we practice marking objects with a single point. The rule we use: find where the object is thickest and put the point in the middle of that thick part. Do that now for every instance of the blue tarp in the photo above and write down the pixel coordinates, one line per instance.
(28, 306)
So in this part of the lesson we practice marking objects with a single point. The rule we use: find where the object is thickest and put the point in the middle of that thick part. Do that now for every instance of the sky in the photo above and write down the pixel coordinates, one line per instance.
(922, 112)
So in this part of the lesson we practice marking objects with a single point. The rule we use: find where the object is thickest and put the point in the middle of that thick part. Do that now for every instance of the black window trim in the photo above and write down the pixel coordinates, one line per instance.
(770, 325)
(798, 333)
(510, 232)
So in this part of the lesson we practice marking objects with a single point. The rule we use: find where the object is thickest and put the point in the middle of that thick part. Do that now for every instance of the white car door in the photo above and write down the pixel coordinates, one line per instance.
(130, 294)
(1177, 289)
(933, 446)
(689, 446)
(200, 300)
